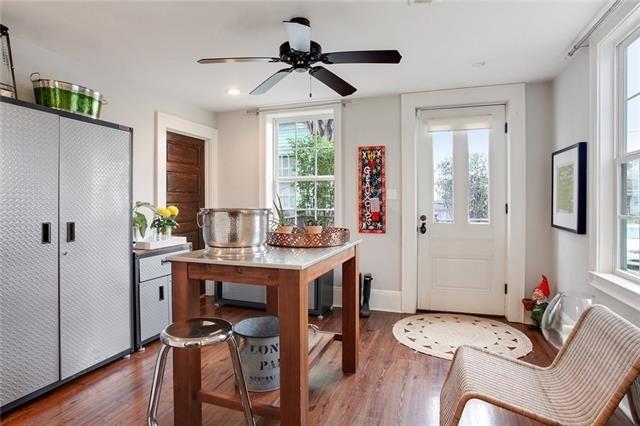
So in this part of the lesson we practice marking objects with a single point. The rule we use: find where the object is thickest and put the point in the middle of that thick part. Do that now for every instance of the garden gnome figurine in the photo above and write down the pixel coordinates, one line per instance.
(539, 296)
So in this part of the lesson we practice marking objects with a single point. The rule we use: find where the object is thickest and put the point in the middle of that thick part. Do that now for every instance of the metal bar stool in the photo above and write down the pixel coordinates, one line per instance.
(195, 333)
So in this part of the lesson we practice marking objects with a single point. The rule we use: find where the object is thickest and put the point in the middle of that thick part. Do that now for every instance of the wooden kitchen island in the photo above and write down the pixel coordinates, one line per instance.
(286, 272)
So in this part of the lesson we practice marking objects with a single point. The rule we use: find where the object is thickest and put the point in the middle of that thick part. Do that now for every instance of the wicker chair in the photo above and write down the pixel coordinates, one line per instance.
(583, 385)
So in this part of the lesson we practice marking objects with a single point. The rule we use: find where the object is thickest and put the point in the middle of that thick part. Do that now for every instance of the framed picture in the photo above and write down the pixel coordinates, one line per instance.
(372, 202)
(569, 188)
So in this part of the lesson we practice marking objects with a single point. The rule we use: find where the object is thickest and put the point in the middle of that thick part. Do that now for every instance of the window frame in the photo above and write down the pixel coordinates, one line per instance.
(295, 118)
(621, 155)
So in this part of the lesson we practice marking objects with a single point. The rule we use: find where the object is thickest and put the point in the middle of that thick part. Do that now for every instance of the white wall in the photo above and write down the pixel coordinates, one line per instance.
(129, 104)
(571, 117)
(375, 121)
(238, 174)
(539, 145)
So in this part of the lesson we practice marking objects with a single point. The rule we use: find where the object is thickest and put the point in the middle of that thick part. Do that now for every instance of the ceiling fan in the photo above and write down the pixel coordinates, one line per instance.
(302, 53)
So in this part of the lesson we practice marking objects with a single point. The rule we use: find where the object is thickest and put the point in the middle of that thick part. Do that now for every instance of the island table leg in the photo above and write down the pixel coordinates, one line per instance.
(185, 297)
(350, 314)
(272, 300)
(294, 347)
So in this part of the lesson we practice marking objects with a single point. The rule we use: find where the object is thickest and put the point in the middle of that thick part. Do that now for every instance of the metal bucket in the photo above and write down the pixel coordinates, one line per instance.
(231, 232)
(259, 341)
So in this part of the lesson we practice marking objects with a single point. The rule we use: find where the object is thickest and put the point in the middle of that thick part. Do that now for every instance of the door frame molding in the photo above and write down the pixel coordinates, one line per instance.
(169, 123)
(513, 97)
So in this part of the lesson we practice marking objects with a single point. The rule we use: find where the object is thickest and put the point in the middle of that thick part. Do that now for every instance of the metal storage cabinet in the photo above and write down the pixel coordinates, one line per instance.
(65, 286)
(152, 276)
(28, 251)
(95, 241)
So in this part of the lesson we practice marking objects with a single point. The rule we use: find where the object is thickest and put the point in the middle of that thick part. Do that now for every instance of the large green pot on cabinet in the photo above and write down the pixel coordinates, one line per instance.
(67, 96)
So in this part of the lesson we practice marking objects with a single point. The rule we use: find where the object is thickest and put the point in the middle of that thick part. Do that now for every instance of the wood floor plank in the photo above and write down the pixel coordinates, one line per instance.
(394, 385)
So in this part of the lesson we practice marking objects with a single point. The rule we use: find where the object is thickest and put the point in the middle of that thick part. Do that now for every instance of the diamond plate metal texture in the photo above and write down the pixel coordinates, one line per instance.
(28, 268)
(95, 287)
(152, 267)
(154, 313)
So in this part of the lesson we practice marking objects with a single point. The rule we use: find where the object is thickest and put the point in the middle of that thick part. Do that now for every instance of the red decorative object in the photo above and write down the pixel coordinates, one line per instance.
(372, 201)
(528, 304)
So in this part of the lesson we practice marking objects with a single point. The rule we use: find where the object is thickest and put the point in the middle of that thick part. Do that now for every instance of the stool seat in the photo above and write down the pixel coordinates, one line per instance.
(196, 332)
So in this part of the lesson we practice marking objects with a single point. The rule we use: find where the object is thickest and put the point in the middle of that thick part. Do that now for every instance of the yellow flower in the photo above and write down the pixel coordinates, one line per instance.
(173, 210)
(164, 212)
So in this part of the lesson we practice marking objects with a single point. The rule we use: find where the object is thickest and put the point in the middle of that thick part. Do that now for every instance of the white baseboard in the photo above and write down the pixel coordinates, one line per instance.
(381, 300)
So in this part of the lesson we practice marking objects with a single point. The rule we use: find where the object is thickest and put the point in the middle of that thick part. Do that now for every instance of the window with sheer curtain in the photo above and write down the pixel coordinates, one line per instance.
(304, 169)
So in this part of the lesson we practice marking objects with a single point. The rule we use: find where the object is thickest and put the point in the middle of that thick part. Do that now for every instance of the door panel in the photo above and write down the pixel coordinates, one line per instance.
(461, 195)
(29, 341)
(185, 183)
(95, 286)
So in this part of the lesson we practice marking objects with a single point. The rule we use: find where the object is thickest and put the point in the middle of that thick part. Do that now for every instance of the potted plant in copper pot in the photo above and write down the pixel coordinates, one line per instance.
(313, 227)
(281, 223)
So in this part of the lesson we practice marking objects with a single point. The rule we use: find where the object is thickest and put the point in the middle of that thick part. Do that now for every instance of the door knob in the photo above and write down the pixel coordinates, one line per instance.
(423, 228)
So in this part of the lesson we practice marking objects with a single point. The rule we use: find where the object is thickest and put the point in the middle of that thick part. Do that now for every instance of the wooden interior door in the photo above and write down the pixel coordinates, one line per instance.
(185, 183)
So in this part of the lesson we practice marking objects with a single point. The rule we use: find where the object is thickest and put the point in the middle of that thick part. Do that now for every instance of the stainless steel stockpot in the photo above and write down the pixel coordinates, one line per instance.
(234, 228)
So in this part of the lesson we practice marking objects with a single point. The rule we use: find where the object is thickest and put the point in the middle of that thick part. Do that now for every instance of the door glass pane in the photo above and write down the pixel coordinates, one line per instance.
(630, 196)
(478, 144)
(633, 68)
(633, 124)
(442, 177)
(629, 248)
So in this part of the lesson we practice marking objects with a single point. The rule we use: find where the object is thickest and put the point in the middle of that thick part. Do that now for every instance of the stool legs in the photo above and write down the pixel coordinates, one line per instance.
(156, 386)
(242, 385)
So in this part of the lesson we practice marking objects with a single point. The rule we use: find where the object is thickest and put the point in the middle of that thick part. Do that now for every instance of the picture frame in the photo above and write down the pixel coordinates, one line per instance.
(569, 188)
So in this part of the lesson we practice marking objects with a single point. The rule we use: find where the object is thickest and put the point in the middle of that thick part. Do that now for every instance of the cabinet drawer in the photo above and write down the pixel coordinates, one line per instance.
(154, 306)
(156, 266)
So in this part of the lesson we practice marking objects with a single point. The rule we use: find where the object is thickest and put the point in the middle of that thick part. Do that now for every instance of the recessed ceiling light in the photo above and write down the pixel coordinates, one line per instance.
(478, 64)
(233, 92)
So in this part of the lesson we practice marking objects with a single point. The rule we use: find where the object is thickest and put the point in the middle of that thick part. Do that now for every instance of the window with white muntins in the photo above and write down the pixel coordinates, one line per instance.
(304, 168)
(628, 159)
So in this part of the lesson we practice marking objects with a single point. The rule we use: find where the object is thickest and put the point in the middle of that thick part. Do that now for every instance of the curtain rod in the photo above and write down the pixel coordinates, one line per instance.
(580, 43)
(297, 106)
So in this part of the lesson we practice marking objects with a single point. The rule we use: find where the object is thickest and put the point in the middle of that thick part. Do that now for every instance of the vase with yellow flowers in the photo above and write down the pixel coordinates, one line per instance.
(164, 221)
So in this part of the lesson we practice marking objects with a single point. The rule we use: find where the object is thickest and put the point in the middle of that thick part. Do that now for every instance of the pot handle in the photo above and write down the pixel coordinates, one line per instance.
(34, 76)
(198, 216)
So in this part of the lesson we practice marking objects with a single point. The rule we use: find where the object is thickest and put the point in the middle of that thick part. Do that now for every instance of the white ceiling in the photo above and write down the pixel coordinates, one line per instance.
(157, 43)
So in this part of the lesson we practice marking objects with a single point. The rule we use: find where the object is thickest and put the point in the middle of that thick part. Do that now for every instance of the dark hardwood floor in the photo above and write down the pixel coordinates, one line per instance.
(394, 385)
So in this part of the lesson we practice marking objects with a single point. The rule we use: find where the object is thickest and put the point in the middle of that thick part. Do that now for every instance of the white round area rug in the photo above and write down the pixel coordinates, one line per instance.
(441, 334)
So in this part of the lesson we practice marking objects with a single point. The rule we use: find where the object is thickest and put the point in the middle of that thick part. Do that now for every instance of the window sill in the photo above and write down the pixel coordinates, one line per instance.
(623, 290)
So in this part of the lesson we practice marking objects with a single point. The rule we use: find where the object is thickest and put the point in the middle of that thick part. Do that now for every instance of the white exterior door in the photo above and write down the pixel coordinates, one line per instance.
(462, 210)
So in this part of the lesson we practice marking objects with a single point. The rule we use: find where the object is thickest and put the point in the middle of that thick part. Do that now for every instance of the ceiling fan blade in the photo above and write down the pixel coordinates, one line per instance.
(362, 57)
(271, 81)
(239, 59)
(299, 34)
(332, 80)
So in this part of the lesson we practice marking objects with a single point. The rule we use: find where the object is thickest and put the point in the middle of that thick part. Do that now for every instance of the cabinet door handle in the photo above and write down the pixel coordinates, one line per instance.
(161, 293)
(71, 232)
(46, 233)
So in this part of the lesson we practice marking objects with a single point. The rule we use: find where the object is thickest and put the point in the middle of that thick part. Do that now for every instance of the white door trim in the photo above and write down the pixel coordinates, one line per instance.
(166, 122)
(513, 96)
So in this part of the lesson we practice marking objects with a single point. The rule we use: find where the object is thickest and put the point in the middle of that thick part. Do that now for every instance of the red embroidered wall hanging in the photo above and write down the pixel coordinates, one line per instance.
(372, 202)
